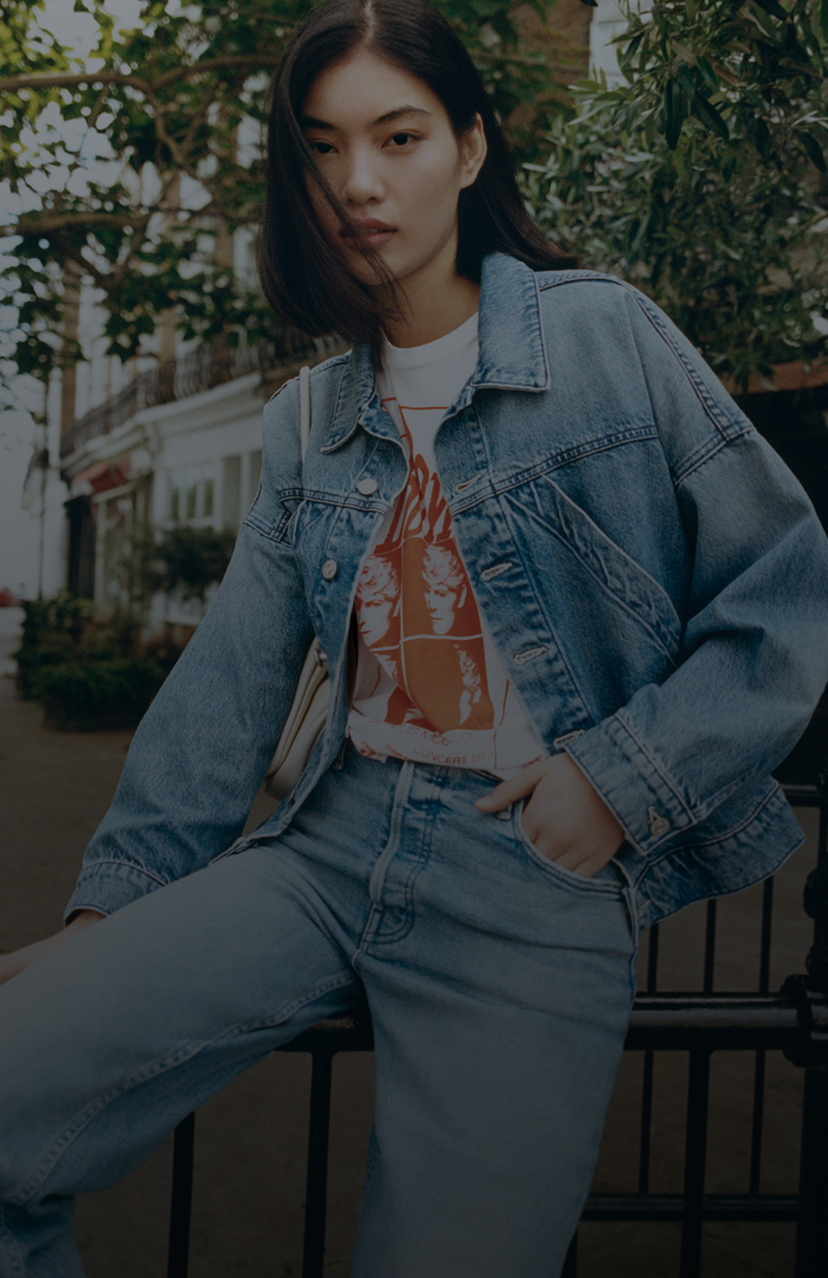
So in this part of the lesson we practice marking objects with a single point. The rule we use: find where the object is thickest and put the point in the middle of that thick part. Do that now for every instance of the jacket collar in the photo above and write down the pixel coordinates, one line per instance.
(512, 353)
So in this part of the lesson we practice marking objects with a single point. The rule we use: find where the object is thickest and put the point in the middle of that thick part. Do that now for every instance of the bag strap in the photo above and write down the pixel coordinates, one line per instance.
(304, 408)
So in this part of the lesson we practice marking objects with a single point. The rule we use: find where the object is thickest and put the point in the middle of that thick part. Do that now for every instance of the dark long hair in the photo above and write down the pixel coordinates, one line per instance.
(302, 276)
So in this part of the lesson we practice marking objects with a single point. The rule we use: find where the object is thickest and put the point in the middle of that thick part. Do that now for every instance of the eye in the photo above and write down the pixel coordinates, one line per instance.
(402, 139)
(319, 147)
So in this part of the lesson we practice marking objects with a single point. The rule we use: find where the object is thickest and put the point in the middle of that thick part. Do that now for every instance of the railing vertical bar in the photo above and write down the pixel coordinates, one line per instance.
(758, 1117)
(652, 959)
(181, 1199)
(811, 1233)
(644, 1144)
(646, 1123)
(698, 1088)
(757, 1122)
(765, 944)
(709, 947)
(317, 1177)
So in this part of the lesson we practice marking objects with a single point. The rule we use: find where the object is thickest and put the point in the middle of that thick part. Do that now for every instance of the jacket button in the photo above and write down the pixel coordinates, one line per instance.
(658, 823)
(329, 569)
(367, 486)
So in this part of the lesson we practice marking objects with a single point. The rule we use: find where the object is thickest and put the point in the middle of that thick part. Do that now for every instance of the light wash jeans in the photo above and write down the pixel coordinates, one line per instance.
(499, 986)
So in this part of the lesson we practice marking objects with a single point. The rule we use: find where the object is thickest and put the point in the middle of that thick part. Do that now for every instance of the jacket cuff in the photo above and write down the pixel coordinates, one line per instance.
(642, 799)
(108, 886)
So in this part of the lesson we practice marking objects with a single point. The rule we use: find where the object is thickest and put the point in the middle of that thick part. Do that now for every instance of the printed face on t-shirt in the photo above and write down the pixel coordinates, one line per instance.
(379, 601)
(445, 587)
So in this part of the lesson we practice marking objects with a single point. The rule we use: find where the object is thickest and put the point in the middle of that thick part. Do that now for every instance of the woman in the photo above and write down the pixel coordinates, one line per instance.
(573, 610)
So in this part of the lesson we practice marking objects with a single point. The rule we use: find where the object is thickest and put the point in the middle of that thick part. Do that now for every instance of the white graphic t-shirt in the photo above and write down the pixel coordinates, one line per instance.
(430, 685)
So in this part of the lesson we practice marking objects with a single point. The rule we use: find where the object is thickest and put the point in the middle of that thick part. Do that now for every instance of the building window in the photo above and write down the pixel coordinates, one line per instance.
(231, 492)
(193, 496)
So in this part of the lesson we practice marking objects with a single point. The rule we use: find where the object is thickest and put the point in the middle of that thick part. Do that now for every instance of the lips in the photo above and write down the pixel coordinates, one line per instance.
(371, 231)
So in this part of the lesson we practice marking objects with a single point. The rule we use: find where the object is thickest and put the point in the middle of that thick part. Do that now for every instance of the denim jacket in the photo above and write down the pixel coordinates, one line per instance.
(654, 577)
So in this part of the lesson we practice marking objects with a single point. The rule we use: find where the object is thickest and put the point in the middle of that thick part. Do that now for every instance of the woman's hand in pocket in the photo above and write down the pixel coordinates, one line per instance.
(565, 818)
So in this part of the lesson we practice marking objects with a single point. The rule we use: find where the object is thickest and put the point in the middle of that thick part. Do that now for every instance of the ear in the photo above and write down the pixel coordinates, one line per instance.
(473, 148)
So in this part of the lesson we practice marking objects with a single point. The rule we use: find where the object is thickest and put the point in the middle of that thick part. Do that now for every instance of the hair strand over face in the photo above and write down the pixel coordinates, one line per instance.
(303, 277)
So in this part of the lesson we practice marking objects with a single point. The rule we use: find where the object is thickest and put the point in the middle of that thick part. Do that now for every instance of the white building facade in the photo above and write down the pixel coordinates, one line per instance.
(135, 468)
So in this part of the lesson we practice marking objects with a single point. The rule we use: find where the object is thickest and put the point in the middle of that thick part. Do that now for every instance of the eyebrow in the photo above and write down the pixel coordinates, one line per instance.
(309, 122)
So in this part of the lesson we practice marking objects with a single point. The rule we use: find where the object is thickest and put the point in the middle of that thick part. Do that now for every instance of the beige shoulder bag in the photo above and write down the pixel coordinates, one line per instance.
(309, 710)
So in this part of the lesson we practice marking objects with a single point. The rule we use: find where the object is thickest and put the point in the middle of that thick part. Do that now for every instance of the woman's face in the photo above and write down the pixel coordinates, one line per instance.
(384, 142)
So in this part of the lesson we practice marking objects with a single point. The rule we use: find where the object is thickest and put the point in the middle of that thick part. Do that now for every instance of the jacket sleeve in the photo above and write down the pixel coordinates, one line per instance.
(201, 750)
(754, 655)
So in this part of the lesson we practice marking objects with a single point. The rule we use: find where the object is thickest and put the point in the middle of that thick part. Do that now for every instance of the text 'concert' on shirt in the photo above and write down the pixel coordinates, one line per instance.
(430, 685)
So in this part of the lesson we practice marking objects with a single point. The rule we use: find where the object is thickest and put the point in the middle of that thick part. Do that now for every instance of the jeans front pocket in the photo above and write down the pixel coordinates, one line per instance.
(609, 881)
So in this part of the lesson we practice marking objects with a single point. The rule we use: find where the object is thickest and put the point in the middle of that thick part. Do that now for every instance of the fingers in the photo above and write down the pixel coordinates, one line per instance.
(511, 790)
(18, 960)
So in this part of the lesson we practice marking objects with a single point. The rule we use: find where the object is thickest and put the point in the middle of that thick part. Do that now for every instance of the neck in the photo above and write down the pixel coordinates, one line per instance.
(434, 301)
(434, 313)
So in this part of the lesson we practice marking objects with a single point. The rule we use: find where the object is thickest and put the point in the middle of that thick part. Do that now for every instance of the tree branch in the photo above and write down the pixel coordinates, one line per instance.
(66, 80)
(215, 64)
(43, 223)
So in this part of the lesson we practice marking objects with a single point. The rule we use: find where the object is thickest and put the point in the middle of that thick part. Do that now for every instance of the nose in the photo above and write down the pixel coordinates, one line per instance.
(362, 183)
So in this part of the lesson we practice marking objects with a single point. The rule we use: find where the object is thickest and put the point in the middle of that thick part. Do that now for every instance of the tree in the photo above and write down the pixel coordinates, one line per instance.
(174, 107)
(701, 177)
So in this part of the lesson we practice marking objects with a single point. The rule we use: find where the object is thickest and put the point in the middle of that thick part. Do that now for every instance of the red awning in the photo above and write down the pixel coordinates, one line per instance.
(101, 477)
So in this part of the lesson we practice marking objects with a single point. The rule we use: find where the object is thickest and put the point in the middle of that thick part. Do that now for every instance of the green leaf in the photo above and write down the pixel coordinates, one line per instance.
(770, 6)
(709, 75)
(673, 112)
(688, 84)
(762, 138)
(711, 118)
(813, 150)
(630, 47)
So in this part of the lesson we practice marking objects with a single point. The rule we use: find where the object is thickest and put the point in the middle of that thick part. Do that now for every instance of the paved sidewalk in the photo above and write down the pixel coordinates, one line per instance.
(250, 1149)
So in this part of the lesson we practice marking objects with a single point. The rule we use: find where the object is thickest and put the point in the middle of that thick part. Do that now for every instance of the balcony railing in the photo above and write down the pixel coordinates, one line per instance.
(199, 370)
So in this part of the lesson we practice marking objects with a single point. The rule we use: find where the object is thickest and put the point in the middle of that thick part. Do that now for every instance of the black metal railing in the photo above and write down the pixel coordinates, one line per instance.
(793, 1021)
(209, 365)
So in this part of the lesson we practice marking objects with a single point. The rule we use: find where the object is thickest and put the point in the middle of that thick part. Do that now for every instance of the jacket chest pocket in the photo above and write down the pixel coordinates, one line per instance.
(589, 578)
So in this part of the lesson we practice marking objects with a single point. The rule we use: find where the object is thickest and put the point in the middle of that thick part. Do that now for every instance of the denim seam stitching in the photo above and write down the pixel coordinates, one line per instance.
(413, 871)
(288, 1010)
(340, 501)
(547, 866)
(47, 1161)
(89, 871)
(620, 603)
(724, 421)
(774, 792)
(702, 456)
(557, 460)
(328, 446)
(272, 532)
(668, 785)
(184, 1053)
(728, 424)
